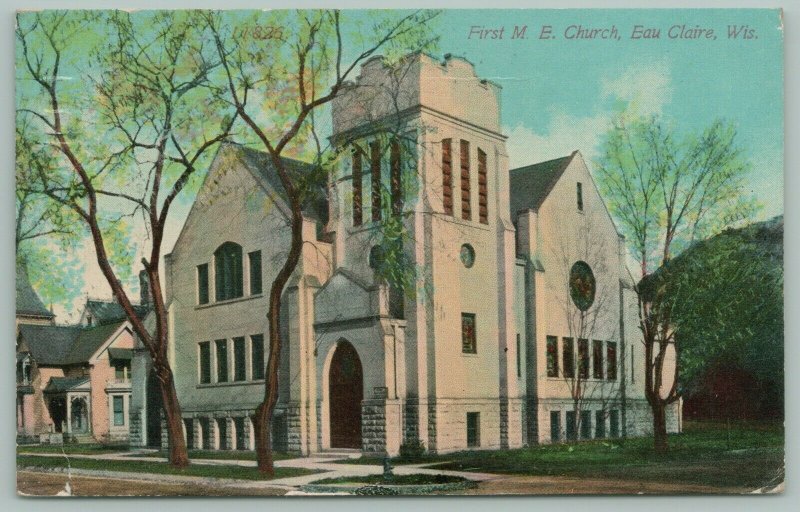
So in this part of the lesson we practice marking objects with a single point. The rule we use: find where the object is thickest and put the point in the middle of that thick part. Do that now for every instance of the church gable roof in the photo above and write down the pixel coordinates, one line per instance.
(28, 301)
(530, 185)
(109, 312)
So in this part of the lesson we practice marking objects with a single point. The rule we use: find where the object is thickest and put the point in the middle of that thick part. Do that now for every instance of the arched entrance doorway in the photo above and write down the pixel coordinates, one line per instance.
(346, 390)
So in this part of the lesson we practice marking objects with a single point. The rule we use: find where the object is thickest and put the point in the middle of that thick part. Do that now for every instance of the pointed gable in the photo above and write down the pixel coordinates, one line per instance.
(530, 185)
(28, 301)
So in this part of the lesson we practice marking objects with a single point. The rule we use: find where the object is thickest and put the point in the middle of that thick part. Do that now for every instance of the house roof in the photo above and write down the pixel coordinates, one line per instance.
(65, 345)
(530, 185)
(109, 311)
(28, 301)
(63, 384)
(315, 202)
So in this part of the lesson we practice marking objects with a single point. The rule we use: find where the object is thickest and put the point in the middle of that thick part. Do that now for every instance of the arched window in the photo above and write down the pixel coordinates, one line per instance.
(228, 271)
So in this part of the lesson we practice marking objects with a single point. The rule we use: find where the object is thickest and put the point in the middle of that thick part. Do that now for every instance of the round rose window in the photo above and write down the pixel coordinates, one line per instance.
(582, 285)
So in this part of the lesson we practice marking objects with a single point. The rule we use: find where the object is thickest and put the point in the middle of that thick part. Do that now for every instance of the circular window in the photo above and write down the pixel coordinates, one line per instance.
(582, 285)
(376, 256)
(467, 255)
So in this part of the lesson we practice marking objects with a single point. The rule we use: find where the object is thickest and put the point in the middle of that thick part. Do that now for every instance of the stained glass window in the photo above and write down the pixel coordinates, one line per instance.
(468, 341)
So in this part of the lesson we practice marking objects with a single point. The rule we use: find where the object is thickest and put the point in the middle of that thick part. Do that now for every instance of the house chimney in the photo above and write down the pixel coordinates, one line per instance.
(144, 288)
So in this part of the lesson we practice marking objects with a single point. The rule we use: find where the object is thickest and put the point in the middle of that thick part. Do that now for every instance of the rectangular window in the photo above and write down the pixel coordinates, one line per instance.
(255, 272)
(119, 411)
(122, 371)
(611, 360)
(375, 168)
(395, 177)
(357, 186)
(571, 426)
(447, 176)
(222, 360)
(599, 424)
(483, 193)
(583, 358)
(569, 357)
(555, 426)
(222, 430)
(586, 424)
(202, 283)
(473, 429)
(552, 356)
(597, 359)
(466, 209)
(205, 362)
(519, 357)
(580, 196)
(239, 365)
(613, 420)
(257, 356)
(241, 435)
(468, 341)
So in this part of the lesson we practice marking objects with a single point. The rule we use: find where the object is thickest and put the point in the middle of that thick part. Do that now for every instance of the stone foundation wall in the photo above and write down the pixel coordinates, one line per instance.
(381, 426)
(448, 423)
(137, 433)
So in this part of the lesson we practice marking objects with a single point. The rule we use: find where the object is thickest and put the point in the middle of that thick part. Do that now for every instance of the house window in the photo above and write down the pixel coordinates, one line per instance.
(483, 194)
(473, 429)
(239, 365)
(205, 362)
(613, 420)
(119, 410)
(599, 424)
(357, 186)
(466, 210)
(122, 369)
(555, 426)
(228, 271)
(395, 178)
(519, 357)
(257, 356)
(597, 359)
(375, 168)
(255, 272)
(569, 357)
(611, 360)
(583, 358)
(579, 191)
(202, 284)
(552, 356)
(222, 360)
(586, 424)
(468, 342)
(447, 176)
(571, 424)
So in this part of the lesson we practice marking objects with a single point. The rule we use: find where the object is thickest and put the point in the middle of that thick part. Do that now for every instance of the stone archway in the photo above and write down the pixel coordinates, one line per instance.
(346, 391)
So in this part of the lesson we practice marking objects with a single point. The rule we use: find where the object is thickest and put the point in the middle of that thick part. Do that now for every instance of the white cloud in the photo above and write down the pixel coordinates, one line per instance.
(644, 89)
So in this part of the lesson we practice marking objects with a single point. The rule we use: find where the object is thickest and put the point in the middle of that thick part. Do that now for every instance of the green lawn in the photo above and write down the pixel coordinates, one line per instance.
(223, 455)
(82, 449)
(417, 479)
(136, 466)
(747, 455)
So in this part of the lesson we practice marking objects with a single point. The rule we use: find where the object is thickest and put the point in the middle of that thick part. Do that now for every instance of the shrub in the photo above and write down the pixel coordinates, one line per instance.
(412, 449)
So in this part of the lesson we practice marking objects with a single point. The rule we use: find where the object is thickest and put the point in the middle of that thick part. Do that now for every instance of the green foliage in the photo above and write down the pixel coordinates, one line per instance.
(412, 449)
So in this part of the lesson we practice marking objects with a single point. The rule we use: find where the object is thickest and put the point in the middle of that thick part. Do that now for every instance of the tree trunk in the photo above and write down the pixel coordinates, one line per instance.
(178, 456)
(660, 440)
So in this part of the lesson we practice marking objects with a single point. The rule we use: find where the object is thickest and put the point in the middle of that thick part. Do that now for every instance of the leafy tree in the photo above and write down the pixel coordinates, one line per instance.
(666, 191)
(283, 67)
(116, 98)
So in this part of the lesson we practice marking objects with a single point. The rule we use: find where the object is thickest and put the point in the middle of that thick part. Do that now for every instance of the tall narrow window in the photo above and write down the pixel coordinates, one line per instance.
(552, 356)
(255, 272)
(583, 358)
(205, 362)
(633, 371)
(202, 283)
(228, 271)
(572, 424)
(586, 424)
(483, 194)
(599, 424)
(447, 176)
(468, 340)
(357, 186)
(119, 410)
(257, 356)
(473, 429)
(613, 420)
(579, 191)
(466, 209)
(569, 357)
(239, 366)
(222, 360)
(375, 168)
(597, 359)
(395, 174)
(519, 357)
(611, 361)
(555, 426)
(241, 439)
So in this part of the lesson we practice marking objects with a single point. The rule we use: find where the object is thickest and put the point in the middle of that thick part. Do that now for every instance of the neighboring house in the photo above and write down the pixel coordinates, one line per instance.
(75, 379)
(480, 356)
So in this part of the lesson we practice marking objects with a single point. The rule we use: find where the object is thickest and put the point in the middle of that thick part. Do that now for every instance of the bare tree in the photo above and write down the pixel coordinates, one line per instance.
(666, 192)
(118, 96)
(302, 62)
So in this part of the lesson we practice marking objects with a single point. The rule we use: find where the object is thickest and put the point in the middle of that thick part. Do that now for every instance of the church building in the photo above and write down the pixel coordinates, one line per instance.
(519, 327)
